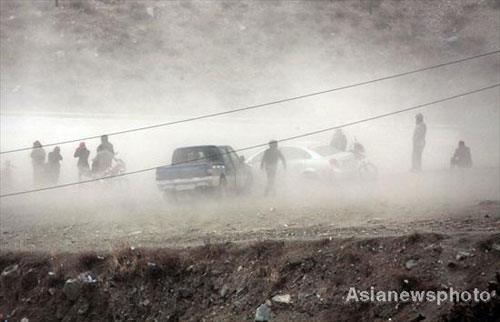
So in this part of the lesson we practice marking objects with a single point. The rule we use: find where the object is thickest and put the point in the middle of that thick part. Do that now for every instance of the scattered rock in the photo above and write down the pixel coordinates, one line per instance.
(282, 298)
(11, 271)
(10, 276)
(495, 246)
(263, 313)
(411, 263)
(25, 319)
(462, 255)
(83, 309)
(86, 278)
(72, 289)
(303, 295)
(224, 292)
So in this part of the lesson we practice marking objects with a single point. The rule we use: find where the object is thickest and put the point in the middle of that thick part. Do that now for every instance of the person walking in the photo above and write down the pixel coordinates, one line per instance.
(269, 163)
(82, 153)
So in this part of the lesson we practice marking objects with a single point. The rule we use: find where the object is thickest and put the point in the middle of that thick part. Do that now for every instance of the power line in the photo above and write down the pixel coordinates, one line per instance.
(265, 144)
(265, 104)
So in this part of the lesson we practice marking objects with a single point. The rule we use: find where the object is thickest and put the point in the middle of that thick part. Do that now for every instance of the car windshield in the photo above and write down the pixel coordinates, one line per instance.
(199, 154)
(325, 150)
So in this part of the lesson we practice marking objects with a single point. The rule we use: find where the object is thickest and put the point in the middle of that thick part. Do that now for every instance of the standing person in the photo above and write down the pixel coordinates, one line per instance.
(269, 163)
(38, 161)
(105, 145)
(53, 165)
(104, 156)
(339, 141)
(82, 153)
(462, 157)
(418, 142)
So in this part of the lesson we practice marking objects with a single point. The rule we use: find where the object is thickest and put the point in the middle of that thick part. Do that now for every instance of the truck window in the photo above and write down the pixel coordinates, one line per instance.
(200, 154)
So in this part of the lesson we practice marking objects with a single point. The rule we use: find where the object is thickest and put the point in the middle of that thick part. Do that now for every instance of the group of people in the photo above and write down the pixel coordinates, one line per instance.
(460, 159)
(45, 171)
(46, 168)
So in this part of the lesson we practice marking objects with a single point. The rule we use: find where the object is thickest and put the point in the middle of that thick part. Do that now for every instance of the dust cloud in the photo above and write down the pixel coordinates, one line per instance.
(87, 68)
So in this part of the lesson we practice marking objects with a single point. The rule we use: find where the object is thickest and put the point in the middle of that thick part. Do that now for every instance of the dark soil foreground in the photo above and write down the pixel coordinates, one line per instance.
(227, 282)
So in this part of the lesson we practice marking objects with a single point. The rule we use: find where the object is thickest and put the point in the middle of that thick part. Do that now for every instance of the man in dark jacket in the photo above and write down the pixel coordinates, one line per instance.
(339, 141)
(418, 142)
(462, 157)
(105, 145)
(82, 153)
(269, 163)
(53, 165)
(105, 154)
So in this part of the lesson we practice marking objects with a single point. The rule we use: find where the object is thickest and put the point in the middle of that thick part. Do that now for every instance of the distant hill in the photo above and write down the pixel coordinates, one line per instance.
(163, 56)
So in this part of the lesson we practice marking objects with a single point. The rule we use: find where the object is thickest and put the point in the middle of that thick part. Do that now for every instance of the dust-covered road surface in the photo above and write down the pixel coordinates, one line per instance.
(99, 216)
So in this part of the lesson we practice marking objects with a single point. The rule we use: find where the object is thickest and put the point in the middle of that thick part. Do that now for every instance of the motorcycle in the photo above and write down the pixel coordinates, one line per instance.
(366, 169)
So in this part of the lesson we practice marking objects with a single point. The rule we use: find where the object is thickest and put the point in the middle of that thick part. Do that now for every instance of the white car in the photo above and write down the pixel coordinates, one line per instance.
(318, 162)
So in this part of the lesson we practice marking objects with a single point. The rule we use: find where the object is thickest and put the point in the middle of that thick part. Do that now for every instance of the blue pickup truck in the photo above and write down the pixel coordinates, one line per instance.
(209, 168)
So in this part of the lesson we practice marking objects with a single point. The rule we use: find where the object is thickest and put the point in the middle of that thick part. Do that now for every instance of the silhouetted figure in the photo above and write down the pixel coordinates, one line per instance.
(418, 142)
(53, 165)
(38, 161)
(339, 141)
(103, 160)
(105, 145)
(462, 157)
(269, 163)
(82, 153)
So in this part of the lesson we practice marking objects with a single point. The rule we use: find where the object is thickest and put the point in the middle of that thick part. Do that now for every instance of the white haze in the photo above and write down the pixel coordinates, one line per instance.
(88, 68)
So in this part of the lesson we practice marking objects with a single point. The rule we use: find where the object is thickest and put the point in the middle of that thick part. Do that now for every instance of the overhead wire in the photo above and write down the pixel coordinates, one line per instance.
(264, 144)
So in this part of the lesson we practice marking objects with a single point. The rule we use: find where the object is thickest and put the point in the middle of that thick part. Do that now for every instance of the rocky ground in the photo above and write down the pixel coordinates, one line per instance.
(228, 276)
(296, 255)
(299, 280)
